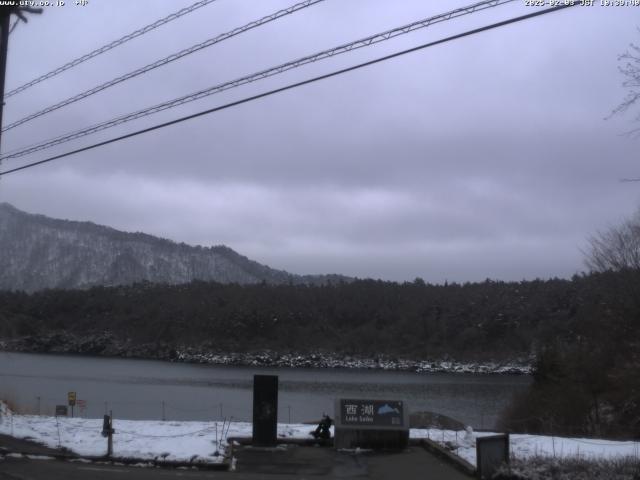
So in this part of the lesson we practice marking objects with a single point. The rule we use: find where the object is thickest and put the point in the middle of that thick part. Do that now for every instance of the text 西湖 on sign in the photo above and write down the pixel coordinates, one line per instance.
(382, 413)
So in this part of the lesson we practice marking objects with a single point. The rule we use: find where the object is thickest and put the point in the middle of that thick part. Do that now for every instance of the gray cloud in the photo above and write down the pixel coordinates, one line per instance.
(485, 157)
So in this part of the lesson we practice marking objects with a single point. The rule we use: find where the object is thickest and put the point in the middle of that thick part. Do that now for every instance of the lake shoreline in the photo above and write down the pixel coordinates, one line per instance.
(105, 345)
(149, 388)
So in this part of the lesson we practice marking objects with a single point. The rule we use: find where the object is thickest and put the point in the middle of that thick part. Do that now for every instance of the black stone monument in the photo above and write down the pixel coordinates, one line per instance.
(265, 409)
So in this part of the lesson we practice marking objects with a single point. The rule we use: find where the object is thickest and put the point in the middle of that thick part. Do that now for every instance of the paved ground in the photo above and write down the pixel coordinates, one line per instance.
(22, 469)
(13, 444)
(327, 463)
(286, 462)
(415, 463)
(293, 462)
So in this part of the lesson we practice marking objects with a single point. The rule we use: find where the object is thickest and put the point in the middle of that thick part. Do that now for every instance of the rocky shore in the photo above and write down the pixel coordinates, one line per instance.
(108, 345)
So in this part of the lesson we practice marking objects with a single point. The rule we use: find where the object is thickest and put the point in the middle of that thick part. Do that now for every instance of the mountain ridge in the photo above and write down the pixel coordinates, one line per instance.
(39, 252)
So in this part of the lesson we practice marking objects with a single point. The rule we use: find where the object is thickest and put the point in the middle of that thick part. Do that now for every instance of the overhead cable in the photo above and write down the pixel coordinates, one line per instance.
(332, 52)
(164, 61)
(109, 46)
(292, 86)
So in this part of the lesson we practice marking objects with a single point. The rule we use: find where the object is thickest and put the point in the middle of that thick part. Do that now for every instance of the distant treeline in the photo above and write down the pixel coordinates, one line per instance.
(584, 332)
(473, 321)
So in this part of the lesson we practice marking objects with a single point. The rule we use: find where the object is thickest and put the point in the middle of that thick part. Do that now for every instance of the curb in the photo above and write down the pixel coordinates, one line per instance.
(224, 465)
(303, 442)
(460, 463)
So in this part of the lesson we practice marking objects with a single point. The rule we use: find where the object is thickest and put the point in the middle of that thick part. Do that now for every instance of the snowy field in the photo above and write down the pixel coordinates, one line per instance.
(206, 441)
(531, 446)
(147, 440)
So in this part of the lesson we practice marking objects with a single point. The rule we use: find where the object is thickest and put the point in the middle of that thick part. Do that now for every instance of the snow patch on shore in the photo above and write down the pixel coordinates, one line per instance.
(199, 441)
(523, 446)
(325, 360)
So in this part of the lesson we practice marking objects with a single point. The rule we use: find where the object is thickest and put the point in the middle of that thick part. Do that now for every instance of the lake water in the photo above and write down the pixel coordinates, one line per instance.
(146, 389)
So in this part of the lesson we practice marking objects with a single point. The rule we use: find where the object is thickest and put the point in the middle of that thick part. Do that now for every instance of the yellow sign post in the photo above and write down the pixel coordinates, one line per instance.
(71, 397)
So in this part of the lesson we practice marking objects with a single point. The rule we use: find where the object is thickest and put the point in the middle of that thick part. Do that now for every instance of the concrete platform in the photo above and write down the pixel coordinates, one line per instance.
(322, 462)
(284, 462)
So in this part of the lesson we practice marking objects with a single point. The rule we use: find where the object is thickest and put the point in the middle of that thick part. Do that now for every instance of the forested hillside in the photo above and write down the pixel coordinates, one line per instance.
(587, 377)
(471, 321)
(38, 252)
(583, 332)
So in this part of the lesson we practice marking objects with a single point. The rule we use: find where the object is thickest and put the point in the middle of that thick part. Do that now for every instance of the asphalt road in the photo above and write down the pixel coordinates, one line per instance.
(13, 444)
(289, 463)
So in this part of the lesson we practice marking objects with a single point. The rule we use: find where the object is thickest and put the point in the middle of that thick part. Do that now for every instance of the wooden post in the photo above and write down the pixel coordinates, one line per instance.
(110, 437)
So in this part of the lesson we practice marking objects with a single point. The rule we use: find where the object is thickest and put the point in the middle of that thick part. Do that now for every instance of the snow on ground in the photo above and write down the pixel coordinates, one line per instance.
(326, 360)
(198, 441)
(526, 446)
(170, 440)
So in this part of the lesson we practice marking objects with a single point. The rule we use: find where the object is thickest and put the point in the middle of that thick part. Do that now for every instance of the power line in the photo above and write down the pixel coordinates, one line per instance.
(293, 85)
(111, 45)
(364, 42)
(166, 60)
(273, 71)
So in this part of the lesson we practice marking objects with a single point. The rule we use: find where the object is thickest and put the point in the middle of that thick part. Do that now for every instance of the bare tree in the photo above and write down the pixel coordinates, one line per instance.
(617, 248)
(630, 69)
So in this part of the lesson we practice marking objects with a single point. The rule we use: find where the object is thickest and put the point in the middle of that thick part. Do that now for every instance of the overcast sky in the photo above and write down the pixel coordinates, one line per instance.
(486, 157)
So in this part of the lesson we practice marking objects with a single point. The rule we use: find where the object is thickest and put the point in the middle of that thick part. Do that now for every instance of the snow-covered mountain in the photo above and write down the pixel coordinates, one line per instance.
(38, 252)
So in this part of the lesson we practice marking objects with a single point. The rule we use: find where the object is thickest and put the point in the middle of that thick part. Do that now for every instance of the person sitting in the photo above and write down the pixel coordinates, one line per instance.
(323, 429)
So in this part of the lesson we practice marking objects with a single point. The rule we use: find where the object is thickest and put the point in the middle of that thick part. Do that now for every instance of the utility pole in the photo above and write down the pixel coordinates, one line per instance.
(4, 40)
(5, 25)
